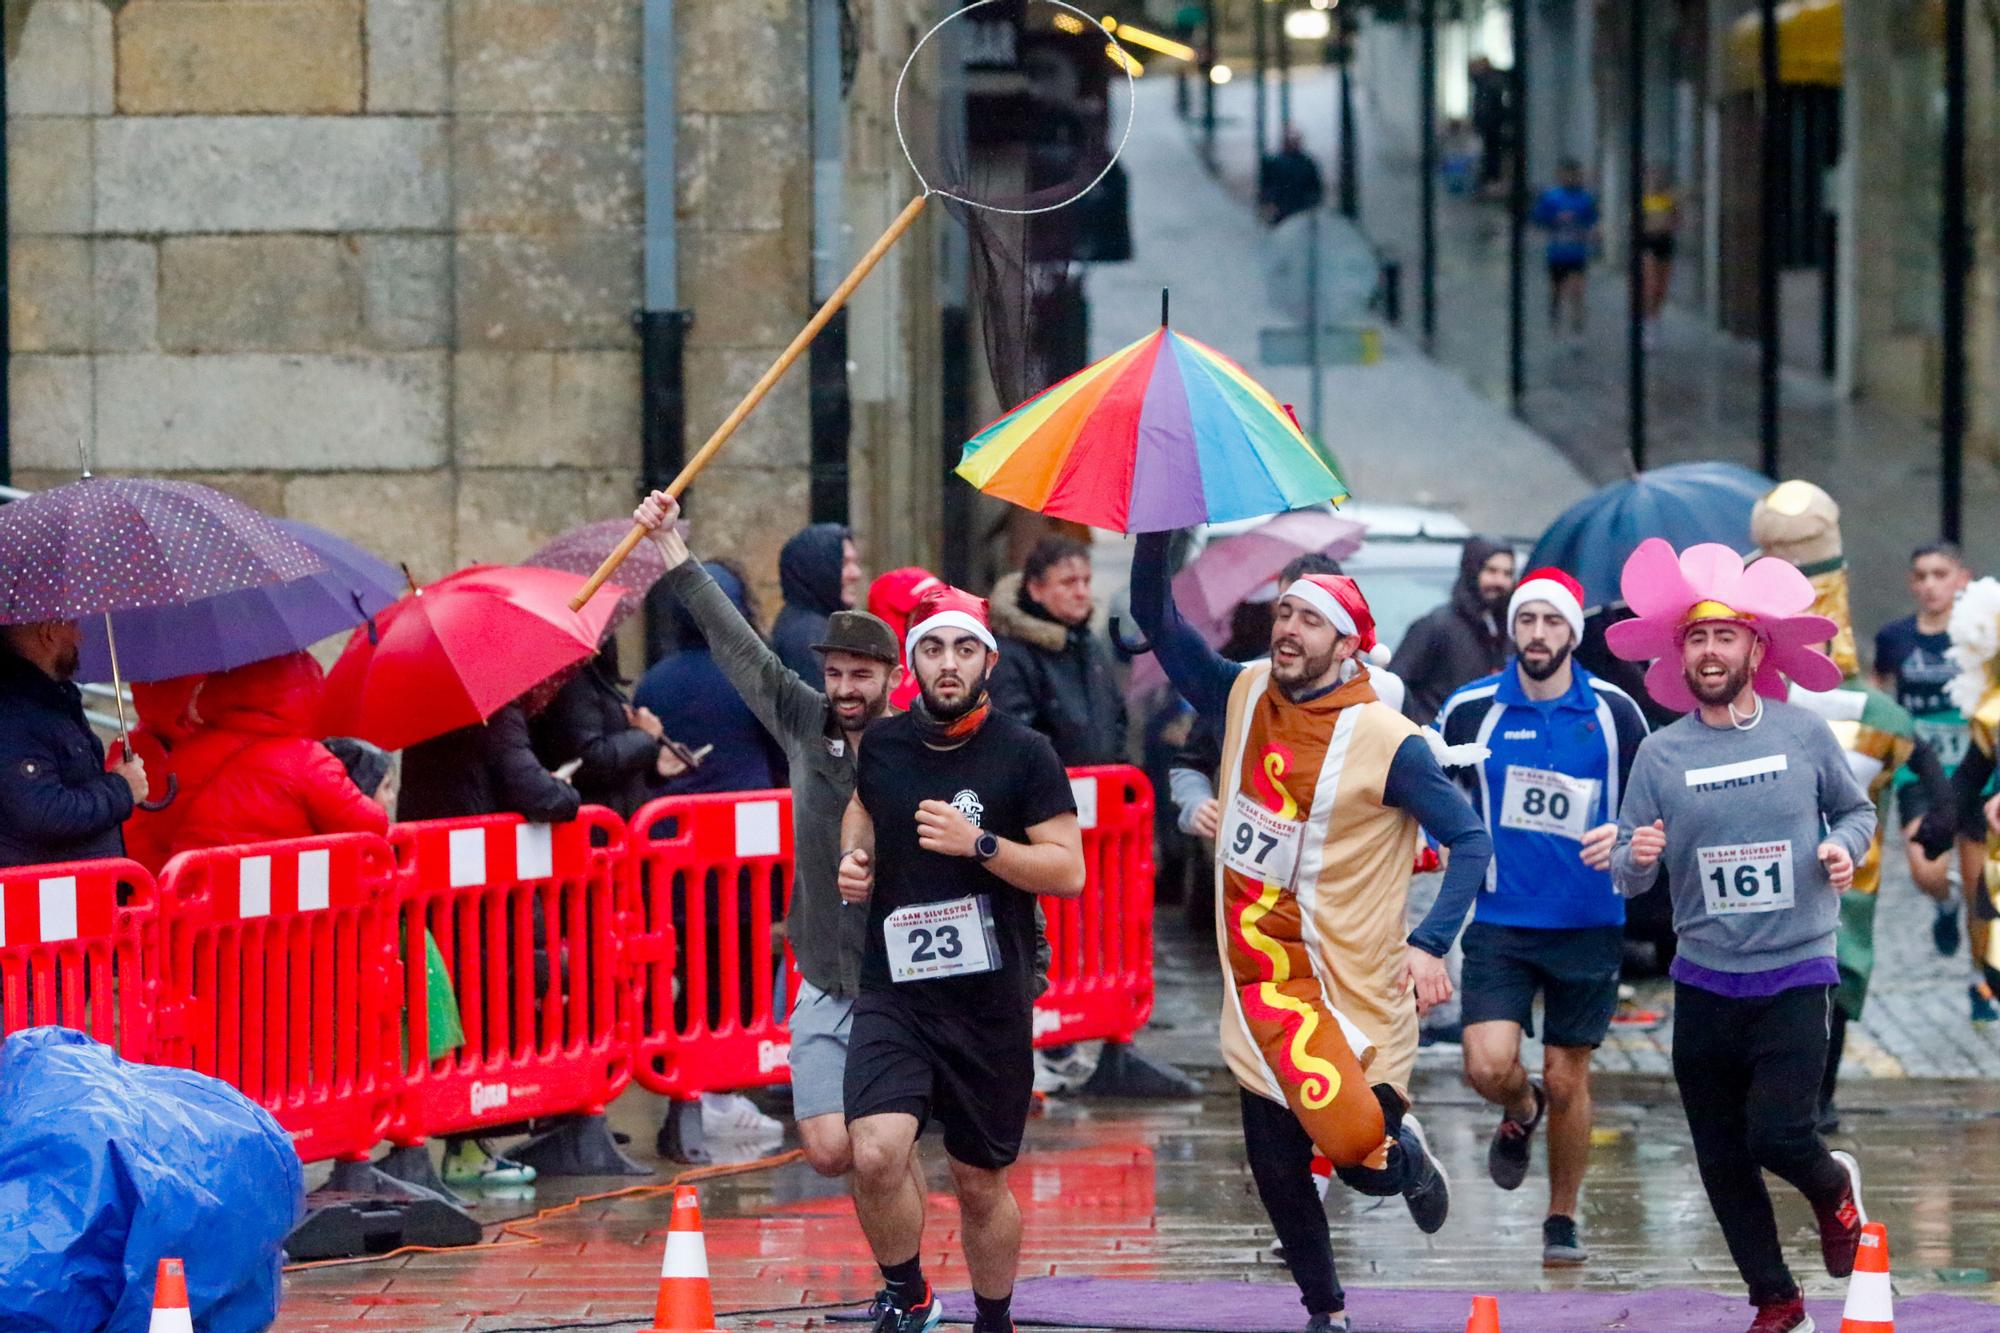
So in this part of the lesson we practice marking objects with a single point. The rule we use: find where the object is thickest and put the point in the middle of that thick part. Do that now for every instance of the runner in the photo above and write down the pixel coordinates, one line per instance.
(1751, 807)
(1323, 790)
(1975, 649)
(1562, 743)
(961, 816)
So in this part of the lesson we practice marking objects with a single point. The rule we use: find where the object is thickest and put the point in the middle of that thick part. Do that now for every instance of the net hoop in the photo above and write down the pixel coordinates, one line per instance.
(1131, 110)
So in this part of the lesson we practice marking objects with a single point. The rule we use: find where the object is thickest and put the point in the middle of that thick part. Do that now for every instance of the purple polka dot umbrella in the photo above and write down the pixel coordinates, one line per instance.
(582, 550)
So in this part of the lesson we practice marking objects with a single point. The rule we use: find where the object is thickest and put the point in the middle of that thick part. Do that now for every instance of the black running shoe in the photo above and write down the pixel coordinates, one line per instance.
(919, 1318)
(1560, 1246)
(1429, 1192)
(1507, 1155)
(1944, 930)
(1329, 1323)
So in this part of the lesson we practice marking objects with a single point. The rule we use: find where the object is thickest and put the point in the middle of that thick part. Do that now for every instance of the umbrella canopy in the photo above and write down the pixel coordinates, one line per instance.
(1161, 435)
(1686, 504)
(117, 543)
(1229, 570)
(582, 550)
(250, 624)
(454, 653)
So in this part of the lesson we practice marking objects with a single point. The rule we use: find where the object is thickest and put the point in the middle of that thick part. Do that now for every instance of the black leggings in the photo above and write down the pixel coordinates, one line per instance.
(1281, 1155)
(1749, 1073)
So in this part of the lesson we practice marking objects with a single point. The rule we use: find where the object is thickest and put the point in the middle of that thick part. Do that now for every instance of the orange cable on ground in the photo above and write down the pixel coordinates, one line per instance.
(520, 1228)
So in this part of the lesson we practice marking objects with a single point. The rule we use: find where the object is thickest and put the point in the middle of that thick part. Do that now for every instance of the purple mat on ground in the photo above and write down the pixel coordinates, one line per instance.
(1241, 1307)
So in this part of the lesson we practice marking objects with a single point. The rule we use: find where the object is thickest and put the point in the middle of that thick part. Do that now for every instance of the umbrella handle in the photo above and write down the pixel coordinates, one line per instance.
(757, 391)
(173, 790)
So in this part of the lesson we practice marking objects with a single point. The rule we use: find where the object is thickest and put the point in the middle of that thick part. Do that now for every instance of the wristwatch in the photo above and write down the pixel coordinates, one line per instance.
(985, 847)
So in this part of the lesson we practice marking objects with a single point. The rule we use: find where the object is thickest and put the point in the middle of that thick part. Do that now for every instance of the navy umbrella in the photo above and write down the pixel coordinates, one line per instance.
(1685, 503)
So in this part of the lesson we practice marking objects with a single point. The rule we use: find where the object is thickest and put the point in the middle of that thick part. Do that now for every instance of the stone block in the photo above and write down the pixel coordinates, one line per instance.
(127, 279)
(48, 174)
(778, 433)
(746, 55)
(548, 55)
(400, 516)
(58, 58)
(527, 292)
(747, 288)
(48, 288)
(745, 172)
(280, 173)
(247, 57)
(289, 413)
(548, 173)
(746, 514)
(505, 513)
(258, 293)
(50, 400)
(408, 55)
(547, 409)
(405, 290)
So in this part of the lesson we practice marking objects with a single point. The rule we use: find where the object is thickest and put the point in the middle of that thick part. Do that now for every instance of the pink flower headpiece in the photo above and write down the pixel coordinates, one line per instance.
(1711, 582)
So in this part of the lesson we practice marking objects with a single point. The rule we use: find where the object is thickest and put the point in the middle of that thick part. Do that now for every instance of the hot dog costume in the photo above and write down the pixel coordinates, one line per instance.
(1975, 647)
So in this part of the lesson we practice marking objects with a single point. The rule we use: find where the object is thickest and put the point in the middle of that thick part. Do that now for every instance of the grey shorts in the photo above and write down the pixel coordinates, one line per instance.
(820, 1027)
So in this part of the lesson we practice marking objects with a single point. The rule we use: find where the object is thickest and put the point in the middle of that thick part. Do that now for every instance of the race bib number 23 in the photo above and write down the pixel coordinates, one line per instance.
(1754, 877)
(950, 939)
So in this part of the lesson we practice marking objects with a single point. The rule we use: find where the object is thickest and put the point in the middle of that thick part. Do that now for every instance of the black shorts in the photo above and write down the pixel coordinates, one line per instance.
(975, 1075)
(1659, 247)
(1575, 970)
(1566, 268)
(1913, 802)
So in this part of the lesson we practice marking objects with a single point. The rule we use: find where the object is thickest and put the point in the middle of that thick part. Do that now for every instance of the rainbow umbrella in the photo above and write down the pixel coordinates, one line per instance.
(1162, 434)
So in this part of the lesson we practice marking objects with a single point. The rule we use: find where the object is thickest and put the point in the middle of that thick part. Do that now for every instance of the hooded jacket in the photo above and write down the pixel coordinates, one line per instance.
(56, 801)
(1056, 678)
(587, 721)
(1458, 642)
(166, 722)
(809, 575)
(255, 771)
(697, 705)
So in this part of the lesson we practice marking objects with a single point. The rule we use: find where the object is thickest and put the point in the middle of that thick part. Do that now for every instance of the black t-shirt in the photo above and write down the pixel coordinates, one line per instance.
(1006, 779)
(1919, 664)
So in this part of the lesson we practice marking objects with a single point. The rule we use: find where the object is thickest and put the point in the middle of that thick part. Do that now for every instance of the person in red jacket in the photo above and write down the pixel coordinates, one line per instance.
(256, 771)
(164, 724)
(891, 597)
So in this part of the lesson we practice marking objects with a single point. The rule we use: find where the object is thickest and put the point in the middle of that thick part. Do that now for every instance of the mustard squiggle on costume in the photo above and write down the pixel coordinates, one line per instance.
(1318, 1080)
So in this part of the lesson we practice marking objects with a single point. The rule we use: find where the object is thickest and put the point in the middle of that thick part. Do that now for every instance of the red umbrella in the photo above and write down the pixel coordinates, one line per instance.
(458, 651)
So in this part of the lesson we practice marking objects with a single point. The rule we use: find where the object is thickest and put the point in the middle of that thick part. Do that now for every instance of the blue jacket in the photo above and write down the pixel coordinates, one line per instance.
(1536, 878)
(56, 801)
(691, 695)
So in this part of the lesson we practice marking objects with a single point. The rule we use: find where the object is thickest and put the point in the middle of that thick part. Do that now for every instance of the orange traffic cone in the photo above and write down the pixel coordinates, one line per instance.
(684, 1305)
(1485, 1316)
(170, 1300)
(1870, 1306)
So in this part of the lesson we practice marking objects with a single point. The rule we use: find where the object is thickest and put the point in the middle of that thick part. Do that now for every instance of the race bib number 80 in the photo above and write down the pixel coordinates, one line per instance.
(1538, 801)
(932, 940)
(1754, 877)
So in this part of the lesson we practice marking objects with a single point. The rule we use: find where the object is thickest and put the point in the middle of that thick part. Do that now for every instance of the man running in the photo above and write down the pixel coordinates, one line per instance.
(1323, 790)
(960, 817)
(1751, 805)
(1562, 743)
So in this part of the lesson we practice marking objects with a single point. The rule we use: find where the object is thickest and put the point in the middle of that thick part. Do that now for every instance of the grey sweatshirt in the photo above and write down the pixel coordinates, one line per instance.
(1732, 800)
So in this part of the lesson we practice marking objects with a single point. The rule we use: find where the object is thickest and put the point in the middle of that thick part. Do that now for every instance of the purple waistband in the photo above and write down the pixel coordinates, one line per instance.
(1757, 985)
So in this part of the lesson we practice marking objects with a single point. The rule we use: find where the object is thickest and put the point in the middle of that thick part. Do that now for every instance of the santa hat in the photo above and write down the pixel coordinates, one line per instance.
(1339, 599)
(945, 607)
(1551, 585)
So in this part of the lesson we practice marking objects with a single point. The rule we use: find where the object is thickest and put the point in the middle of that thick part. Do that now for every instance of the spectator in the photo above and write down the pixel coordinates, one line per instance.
(1492, 120)
(254, 771)
(1053, 673)
(164, 723)
(819, 571)
(1461, 640)
(1290, 181)
(623, 751)
(891, 598)
(698, 707)
(369, 767)
(57, 802)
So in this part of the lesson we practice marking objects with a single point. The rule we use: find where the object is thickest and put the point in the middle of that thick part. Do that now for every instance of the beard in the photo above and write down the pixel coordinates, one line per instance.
(975, 690)
(1724, 691)
(872, 706)
(1306, 671)
(67, 665)
(1548, 666)
(1496, 601)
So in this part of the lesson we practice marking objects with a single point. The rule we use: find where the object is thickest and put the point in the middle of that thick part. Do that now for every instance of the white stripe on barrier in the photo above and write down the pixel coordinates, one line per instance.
(757, 829)
(468, 857)
(253, 886)
(58, 909)
(686, 1255)
(315, 879)
(534, 851)
(1085, 792)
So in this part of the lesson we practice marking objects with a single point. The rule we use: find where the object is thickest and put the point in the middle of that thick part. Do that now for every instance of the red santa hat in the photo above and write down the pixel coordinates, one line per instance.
(1551, 585)
(945, 607)
(1339, 599)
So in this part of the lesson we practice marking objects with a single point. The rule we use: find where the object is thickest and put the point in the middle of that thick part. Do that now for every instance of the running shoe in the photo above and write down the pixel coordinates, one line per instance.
(1429, 1192)
(1983, 1010)
(470, 1162)
(1329, 1323)
(1507, 1155)
(1840, 1226)
(1788, 1316)
(919, 1318)
(1944, 929)
(1561, 1248)
(731, 1115)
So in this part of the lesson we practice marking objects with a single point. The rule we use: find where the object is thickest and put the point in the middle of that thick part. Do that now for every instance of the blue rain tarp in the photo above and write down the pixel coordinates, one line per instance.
(107, 1166)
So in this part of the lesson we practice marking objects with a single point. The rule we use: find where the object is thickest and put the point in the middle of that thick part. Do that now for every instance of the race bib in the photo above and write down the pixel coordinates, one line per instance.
(1948, 740)
(933, 940)
(1538, 801)
(1755, 877)
(1260, 844)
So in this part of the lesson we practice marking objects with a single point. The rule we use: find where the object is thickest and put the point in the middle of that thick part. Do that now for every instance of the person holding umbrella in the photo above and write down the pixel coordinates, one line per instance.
(57, 802)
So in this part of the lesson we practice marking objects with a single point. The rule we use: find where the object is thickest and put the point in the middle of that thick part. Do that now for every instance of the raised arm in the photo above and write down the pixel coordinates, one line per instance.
(1202, 675)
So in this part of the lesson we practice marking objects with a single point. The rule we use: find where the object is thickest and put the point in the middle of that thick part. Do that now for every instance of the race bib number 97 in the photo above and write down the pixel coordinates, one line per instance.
(1260, 844)
(1538, 801)
(1755, 877)
(933, 940)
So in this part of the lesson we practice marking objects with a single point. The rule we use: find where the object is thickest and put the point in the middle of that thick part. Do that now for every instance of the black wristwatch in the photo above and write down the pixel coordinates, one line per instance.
(985, 847)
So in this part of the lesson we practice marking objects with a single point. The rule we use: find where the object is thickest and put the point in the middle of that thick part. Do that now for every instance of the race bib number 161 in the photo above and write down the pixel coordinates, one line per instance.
(1754, 877)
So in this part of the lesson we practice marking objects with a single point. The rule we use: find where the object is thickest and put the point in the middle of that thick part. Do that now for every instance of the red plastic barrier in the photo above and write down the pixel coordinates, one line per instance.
(72, 955)
(280, 976)
(1101, 944)
(531, 926)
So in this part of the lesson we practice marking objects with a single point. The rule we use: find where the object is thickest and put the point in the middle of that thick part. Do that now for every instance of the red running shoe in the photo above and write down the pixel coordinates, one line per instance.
(1783, 1317)
(1840, 1226)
